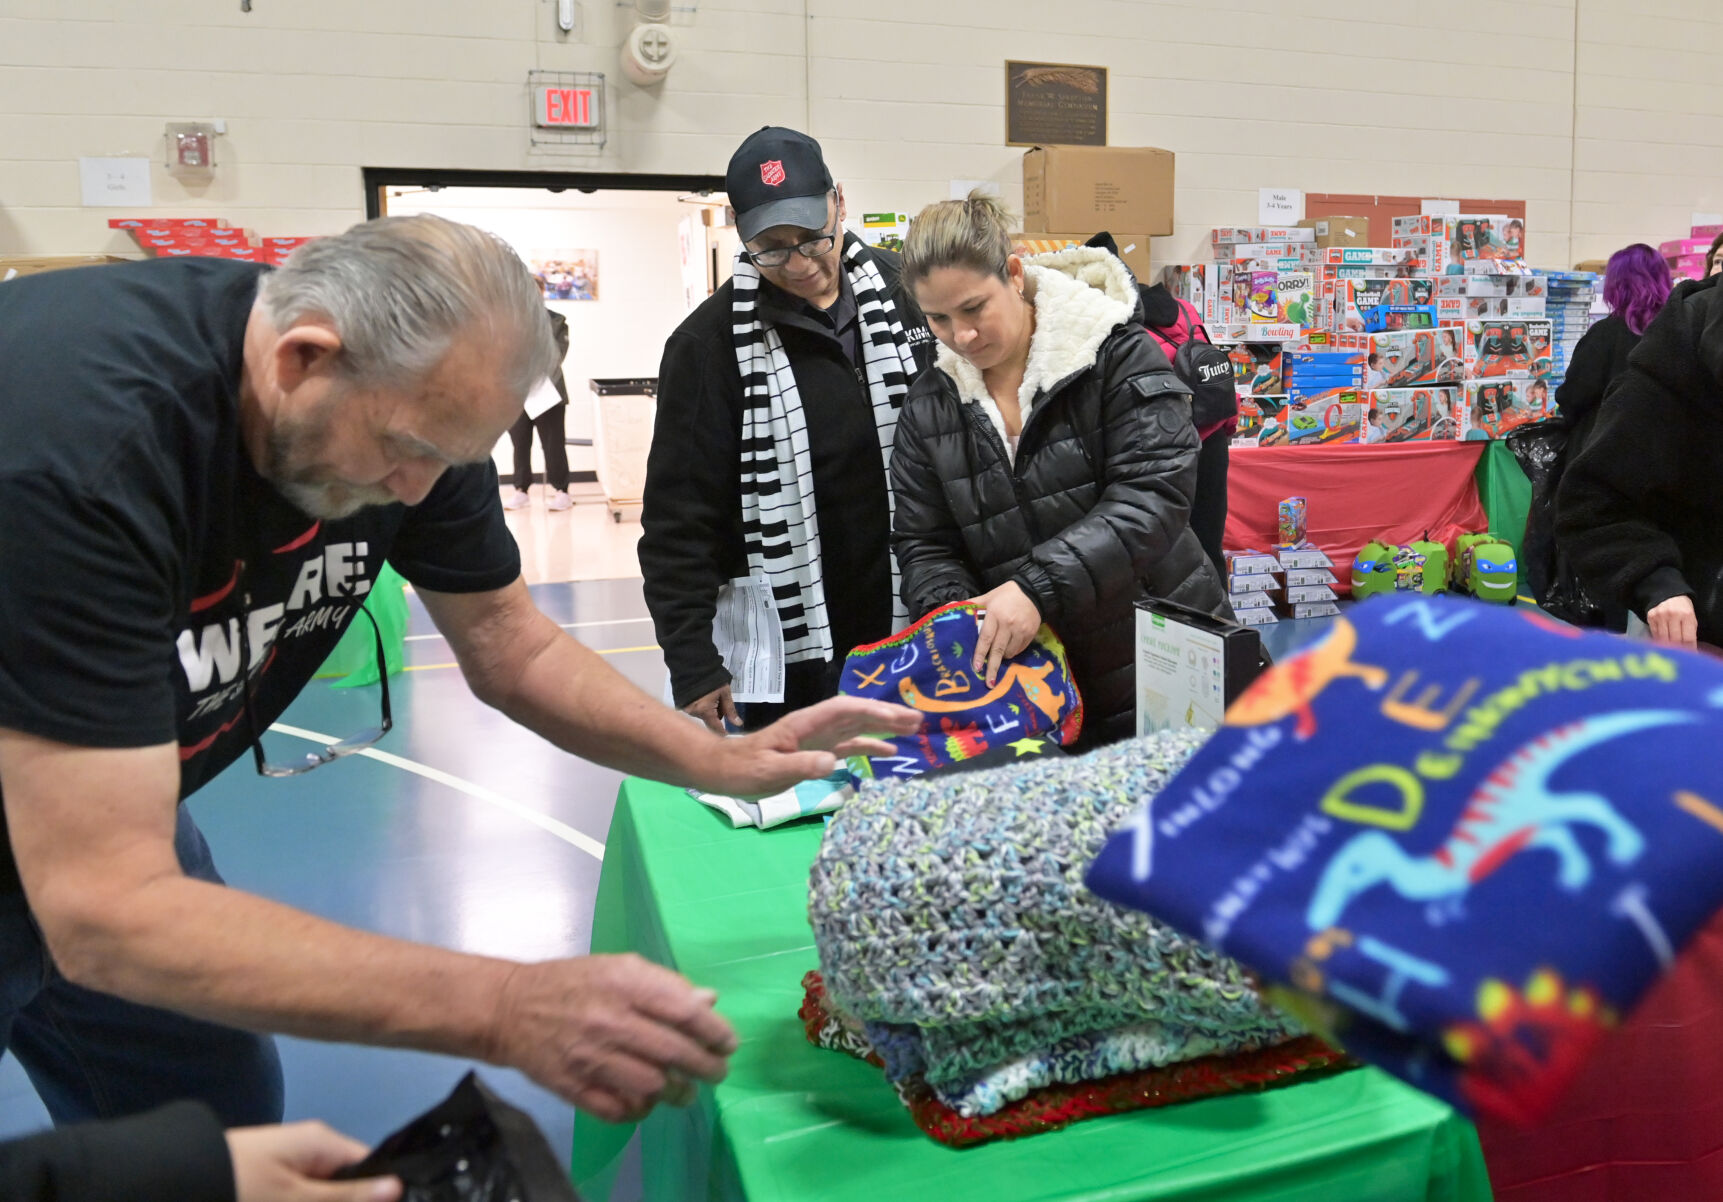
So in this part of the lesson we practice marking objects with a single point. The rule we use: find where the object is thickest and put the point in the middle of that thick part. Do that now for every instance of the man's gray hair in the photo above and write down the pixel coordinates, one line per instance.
(400, 290)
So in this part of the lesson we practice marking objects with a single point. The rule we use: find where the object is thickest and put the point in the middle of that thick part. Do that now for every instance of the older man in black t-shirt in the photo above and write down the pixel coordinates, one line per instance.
(202, 468)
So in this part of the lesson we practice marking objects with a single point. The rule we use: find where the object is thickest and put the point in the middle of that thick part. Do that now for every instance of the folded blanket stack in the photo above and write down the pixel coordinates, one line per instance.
(959, 944)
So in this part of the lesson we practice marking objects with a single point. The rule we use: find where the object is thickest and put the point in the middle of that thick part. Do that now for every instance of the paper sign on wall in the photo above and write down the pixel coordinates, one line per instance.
(1439, 208)
(1279, 206)
(115, 183)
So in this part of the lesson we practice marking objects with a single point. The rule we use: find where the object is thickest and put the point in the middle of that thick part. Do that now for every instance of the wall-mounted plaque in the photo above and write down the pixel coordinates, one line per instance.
(1055, 104)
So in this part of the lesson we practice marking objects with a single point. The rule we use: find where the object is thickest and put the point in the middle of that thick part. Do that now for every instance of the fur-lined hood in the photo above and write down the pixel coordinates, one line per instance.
(1081, 295)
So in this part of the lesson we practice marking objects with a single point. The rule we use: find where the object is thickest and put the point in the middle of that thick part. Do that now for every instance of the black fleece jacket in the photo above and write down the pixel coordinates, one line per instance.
(174, 1154)
(1638, 511)
(691, 522)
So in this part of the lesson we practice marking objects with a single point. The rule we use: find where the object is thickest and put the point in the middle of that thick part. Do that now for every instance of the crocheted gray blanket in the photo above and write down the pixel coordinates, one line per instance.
(955, 904)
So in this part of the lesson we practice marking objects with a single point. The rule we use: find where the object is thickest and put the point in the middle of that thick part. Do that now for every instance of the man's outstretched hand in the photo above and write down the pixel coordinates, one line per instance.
(805, 745)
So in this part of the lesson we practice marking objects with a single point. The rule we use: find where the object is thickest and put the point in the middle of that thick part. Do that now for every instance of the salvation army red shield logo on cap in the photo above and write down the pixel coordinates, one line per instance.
(772, 172)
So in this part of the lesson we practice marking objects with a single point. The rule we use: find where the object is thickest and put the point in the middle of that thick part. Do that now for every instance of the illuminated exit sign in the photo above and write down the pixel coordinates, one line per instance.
(566, 108)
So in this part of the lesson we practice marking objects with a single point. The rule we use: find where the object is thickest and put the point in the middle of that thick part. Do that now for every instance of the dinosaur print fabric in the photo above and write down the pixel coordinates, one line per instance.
(929, 666)
(1463, 839)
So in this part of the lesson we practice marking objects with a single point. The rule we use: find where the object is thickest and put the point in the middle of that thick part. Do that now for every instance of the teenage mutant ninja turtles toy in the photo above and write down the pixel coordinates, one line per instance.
(1433, 556)
(1485, 567)
(1373, 571)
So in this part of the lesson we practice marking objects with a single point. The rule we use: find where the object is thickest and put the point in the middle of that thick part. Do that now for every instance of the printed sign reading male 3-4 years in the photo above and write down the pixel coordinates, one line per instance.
(1479, 832)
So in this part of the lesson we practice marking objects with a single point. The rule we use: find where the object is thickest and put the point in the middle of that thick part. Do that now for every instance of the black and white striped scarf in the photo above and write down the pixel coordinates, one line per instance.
(779, 526)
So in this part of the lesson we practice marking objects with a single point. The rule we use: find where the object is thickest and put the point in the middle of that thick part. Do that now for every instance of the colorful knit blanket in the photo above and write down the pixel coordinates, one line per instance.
(951, 917)
(929, 667)
(1053, 1106)
(1475, 834)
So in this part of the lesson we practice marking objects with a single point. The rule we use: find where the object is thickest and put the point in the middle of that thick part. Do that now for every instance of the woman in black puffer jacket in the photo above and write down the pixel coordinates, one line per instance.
(1046, 469)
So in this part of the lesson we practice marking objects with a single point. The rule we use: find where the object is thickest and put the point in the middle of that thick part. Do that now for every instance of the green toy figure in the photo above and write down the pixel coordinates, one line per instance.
(1373, 571)
(1434, 556)
(1408, 569)
(1484, 566)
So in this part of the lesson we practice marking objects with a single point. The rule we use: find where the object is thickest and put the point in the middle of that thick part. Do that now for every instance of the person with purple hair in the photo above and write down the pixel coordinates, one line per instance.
(1638, 512)
(1635, 285)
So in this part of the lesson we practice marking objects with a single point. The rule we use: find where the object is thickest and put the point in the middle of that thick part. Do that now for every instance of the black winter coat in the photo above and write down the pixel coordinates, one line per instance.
(1091, 517)
(1638, 511)
(691, 522)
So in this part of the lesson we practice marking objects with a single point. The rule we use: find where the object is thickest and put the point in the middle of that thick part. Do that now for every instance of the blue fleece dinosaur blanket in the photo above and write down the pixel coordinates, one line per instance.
(1476, 836)
(929, 666)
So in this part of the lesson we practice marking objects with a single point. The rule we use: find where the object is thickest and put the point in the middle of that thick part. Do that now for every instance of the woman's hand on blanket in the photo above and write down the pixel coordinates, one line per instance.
(715, 709)
(806, 744)
(1009, 627)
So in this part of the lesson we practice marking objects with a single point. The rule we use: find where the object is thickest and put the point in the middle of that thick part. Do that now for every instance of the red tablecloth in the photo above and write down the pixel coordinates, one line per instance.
(1355, 493)
(1644, 1120)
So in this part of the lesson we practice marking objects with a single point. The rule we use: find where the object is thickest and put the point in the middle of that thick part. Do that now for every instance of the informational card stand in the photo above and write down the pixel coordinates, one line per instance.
(1190, 666)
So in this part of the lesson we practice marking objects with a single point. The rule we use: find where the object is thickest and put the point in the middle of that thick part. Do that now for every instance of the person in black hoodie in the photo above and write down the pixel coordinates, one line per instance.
(1046, 468)
(777, 402)
(1637, 511)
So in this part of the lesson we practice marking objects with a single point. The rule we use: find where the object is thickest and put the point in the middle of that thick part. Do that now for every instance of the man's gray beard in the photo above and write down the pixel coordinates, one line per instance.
(329, 502)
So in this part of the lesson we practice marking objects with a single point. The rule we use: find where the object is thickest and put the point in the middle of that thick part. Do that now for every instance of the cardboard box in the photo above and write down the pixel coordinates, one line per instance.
(1493, 408)
(17, 266)
(1368, 256)
(1303, 556)
(1098, 188)
(1249, 600)
(1315, 609)
(1259, 617)
(1133, 248)
(1503, 306)
(1249, 562)
(1684, 246)
(1338, 231)
(1508, 347)
(1411, 414)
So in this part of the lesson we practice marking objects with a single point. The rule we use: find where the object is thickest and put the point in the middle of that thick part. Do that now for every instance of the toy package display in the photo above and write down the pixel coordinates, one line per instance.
(1190, 283)
(1327, 417)
(1368, 256)
(1428, 255)
(1359, 304)
(1257, 367)
(1248, 562)
(1301, 557)
(1301, 577)
(1296, 298)
(1249, 599)
(1512, 347)
(1373, 570)
(1491, 408)
(1421, 567)
(1258, 414)
(1412, 414)
(1469, 237)
(1292, 518)
(1410, 358)
(1477, 307)
(1494, 284)
(1262, 233)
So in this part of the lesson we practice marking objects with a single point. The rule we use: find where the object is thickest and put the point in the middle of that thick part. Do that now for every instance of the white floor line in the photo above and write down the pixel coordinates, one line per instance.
(561, 830)
(565, 625)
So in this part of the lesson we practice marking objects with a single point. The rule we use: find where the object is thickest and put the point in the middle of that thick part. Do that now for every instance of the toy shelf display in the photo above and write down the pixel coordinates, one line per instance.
(1445, 334)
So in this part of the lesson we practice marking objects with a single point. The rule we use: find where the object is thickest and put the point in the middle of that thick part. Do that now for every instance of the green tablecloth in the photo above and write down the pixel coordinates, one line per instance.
(1507, 497)
(729, 909)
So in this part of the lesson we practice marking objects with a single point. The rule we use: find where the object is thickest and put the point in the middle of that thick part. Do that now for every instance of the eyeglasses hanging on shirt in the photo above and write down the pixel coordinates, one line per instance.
(333, 751)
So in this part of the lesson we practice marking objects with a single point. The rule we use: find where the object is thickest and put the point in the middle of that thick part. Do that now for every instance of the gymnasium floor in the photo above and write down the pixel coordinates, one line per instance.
(459, 829)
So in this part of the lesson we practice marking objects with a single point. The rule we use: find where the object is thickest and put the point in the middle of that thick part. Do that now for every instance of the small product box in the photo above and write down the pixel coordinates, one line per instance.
(1262, 583)
(1292, 516)
(1250, 600)
(1301, 557)
(1493, 408)
(1303, 577)
(1684, 246)
(1503, 306)
(1303, 594)
(1251, 563)
(1258, 617)
(1295, 294)
(1508, 347)
(1413, 414)
(1315, 609)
